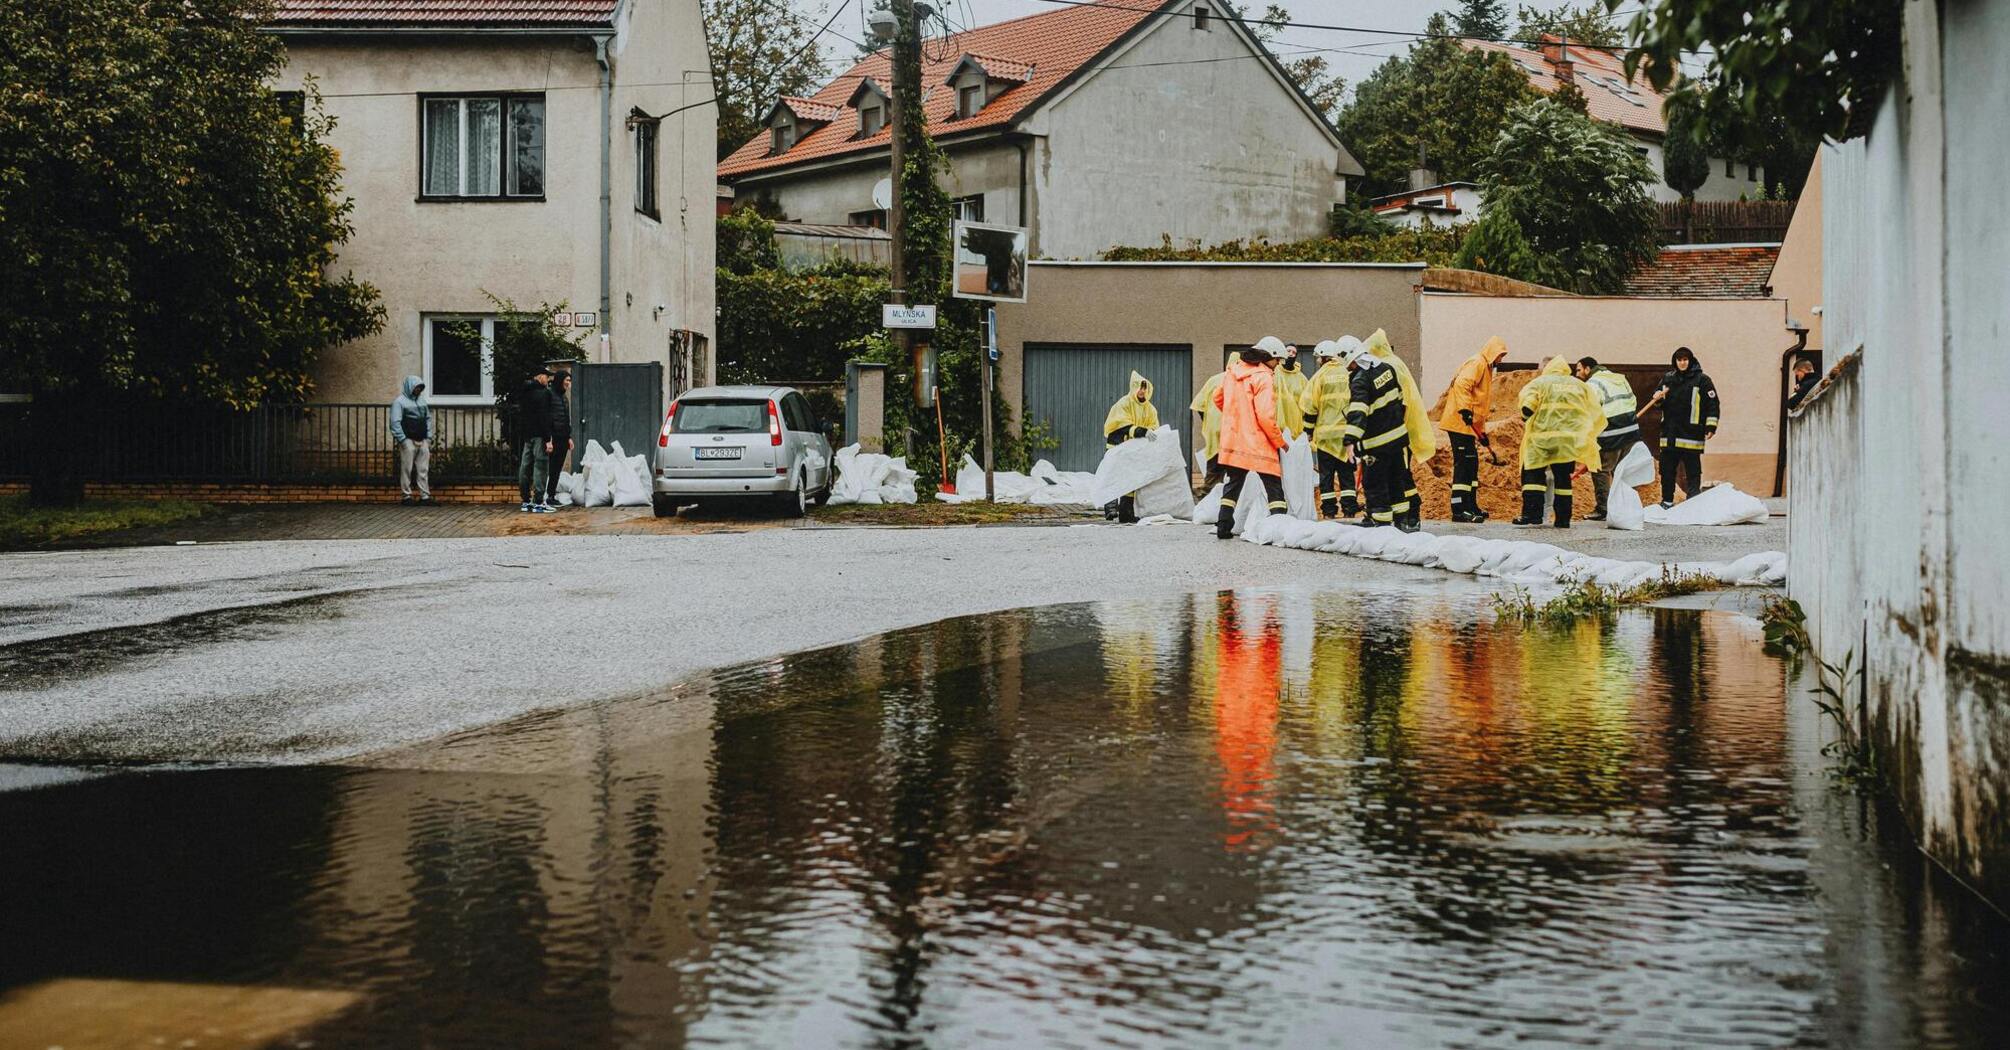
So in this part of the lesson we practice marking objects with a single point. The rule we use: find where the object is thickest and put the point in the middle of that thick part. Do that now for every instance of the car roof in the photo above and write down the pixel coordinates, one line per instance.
(704, 393)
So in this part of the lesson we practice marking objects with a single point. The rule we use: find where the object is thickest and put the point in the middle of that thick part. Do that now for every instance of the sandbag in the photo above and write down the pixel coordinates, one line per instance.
(1720, 504)
(1129, 467)
(1622, 504)
(871, 478)
(631, 485)
(1045, 486)
(1171, 494)
(1300, 478)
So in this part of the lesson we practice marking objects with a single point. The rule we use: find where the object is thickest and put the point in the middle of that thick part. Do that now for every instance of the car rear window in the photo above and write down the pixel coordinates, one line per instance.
(721, 417)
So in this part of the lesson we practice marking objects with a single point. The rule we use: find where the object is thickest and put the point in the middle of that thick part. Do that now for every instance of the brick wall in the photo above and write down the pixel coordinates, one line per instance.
(210, 492)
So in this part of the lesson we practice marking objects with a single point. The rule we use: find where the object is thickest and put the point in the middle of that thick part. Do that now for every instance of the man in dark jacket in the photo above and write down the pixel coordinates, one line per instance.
(533, 414)
(561, 435)
(1688, 402)
(1804, 381)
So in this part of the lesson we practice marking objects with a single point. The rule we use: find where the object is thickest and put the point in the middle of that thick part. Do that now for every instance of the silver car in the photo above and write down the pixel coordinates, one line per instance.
(721, 441)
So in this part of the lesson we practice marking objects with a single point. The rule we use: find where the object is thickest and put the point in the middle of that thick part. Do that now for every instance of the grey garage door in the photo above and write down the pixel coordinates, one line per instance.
(1071, 387)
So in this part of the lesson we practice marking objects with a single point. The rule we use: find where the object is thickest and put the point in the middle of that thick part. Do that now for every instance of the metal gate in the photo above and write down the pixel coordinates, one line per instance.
(621, 402)
(1071, 386)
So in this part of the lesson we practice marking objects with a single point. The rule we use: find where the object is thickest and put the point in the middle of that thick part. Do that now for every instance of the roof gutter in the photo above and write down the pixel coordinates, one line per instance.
(434, 30)
(606, 190)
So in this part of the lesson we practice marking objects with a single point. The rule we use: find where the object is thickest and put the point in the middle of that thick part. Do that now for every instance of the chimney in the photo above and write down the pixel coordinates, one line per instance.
(1422, 178)
(1556, 52)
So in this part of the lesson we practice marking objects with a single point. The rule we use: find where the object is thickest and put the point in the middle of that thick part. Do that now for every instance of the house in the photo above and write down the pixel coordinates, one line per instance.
(1094, 125)
(1629, 102)
(1429, 202)
(541, 151)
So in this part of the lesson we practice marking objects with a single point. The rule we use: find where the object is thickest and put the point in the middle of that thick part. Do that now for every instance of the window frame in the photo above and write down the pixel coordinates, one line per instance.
(506, 142)
(487, 357)
(1203, 17)
(956, 208)
(873, 217)
(878, 124)
(648, 169)
(965, 92)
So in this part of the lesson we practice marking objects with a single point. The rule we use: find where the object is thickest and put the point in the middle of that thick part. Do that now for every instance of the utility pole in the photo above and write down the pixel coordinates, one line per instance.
(900, 25)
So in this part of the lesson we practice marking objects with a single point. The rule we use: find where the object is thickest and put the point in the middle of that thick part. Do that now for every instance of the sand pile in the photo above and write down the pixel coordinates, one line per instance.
(1500, 486)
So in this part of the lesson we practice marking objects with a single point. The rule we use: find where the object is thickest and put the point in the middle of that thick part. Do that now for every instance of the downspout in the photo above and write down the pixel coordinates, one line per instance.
(1786, 387)
(606, 195)
(1022, 142)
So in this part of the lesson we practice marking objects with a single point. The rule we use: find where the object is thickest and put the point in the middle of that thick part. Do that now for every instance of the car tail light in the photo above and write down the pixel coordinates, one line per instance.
(774, 425)
(663, 439)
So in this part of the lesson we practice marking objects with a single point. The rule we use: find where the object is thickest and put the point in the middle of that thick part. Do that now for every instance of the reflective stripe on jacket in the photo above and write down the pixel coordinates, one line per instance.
(1375, 415)
(1616, 400)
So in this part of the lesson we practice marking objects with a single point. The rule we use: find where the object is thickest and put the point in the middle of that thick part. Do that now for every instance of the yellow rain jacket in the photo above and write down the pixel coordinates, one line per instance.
(1210, 416)
(1416, 417)
(1324, 404)
(1290, 384)
(1129, 412)
(1561, 419)
(1472, 390)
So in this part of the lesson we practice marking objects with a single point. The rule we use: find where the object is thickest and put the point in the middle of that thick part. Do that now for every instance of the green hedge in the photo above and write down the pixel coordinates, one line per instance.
(775, 325)
(1436, 245)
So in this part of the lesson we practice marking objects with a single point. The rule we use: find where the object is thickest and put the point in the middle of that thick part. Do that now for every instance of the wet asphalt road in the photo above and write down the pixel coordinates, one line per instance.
(313, 652)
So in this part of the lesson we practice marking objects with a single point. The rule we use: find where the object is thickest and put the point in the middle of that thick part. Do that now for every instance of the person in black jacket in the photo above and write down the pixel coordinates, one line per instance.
(1378, 438)
(561, 434)
(533, 413)
(1804, 381)
(1688, 402)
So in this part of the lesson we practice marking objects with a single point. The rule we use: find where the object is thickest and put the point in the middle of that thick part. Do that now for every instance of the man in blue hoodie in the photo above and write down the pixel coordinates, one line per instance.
(412, 430)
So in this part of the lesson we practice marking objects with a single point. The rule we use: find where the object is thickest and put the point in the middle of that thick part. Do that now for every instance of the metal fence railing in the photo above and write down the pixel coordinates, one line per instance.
(320, 442)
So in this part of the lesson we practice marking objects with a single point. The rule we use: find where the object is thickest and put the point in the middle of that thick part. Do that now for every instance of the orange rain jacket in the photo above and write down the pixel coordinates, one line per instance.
(1250, 437)
(1472, 389)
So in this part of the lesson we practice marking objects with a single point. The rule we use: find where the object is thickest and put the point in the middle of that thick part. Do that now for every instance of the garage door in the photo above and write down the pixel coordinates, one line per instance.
(1071, 386)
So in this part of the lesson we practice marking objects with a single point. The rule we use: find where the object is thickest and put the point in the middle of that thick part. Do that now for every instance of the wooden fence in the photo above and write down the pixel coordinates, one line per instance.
(1725, 222)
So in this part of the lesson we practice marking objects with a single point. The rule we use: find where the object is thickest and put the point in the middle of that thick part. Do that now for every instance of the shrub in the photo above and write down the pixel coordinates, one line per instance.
(1434, 245)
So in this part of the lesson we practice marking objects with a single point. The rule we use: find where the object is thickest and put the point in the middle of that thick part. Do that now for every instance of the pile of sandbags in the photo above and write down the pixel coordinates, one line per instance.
(869, 477)
(1152, 469)
(608, 479)
(1622, 508)
(1720, 504)
(1300, 479)
(1045, 486)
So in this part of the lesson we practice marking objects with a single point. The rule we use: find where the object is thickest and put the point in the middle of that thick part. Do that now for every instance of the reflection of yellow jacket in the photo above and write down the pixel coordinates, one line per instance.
(1291, 384)
(1130, 413)
(1416, 418)
(1210, 416)
(1472, 390)
(1324, 403)
(1560, 419)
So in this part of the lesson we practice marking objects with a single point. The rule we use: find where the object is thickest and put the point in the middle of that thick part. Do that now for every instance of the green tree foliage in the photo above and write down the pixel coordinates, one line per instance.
(525, 339)
(167, 225)
(1435, 245)
(1486, 19)
(1685, 163)
(1818, 67)
(761, 50)
(1312, 73)
(1442, 99)
(746, 242)
(1590, 24)
(1566, 204)
(780, 325)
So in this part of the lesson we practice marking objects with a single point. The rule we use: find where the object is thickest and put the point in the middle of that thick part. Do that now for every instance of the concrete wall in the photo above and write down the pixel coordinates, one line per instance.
(1179, 136)
(1738, 342)
(1797, 273)
(1207, 305)
(440, 256)
(1920, 289)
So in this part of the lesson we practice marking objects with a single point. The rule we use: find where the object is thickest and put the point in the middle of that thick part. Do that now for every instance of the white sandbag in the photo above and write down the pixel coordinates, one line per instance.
(1622, 504)
(1301, 478)
(1207, 510)
(1131, 466)
(631, 485)
(1169, 495)
(1720, 504)
(1045, 486)
(871, 478)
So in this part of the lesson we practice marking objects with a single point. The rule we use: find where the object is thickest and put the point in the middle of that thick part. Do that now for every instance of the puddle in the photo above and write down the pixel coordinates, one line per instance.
(1234, 820)
(24, 665)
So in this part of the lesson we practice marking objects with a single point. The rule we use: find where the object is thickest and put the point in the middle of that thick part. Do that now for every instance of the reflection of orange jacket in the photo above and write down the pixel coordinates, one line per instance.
(1472, 389)
(1248, 402)
(1245, 726)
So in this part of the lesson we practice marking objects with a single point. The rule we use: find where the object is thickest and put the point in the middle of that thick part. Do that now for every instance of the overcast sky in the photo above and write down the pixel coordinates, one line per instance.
(1353, 54)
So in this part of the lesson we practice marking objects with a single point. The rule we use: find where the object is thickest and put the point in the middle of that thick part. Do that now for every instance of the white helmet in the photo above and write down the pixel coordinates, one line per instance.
(1326, 348)
(1271, 345)
(1349, 350)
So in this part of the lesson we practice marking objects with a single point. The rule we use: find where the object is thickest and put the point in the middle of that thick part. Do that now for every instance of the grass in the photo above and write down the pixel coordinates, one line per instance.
(24, 527)
(1585, 598)
(936, 512)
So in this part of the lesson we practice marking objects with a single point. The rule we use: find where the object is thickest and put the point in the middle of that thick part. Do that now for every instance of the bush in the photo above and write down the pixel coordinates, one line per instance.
(1434, 245)
(746, 242)
(776, 325)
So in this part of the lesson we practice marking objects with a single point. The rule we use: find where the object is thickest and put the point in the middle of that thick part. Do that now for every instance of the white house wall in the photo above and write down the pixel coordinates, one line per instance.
(1179, 136)
(832, 195)
(1717, 187)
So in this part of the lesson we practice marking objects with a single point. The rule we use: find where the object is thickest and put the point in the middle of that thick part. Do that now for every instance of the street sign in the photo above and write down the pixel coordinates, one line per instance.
(893, 315)
(990, 262)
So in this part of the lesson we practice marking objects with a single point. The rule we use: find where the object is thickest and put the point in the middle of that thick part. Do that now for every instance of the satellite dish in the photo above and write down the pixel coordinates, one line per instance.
(882, 193)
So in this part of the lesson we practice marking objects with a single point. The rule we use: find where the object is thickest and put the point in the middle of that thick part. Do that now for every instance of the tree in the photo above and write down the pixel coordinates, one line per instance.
(1591, 25)
(761, 51)
(1685, 163)
(1486, 19)
(1818, 67)
(1441, 102)
(1312, 73)
(1566, 204)
(167, 223)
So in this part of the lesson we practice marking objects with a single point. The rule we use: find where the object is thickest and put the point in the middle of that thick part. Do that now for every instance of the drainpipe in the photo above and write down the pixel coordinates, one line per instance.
(1023, 144)
(1786, 387)
(606, 194)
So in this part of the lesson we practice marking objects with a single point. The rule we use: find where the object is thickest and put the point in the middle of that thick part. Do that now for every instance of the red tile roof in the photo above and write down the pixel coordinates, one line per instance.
(1601, 75)
(811, 109)
(1051, 46)
(1714, 271)
(462, 14)
(1003, 68)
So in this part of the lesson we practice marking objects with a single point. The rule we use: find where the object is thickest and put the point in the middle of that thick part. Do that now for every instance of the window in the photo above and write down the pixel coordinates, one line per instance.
(1201, 16)
(871, 118)
(458, 349)
(968, 209)
(876, 218)
(1751, 173)
(645, 167)
(721, 417)
(781, 137)
(482, 146)
(796, 413)
(1730, 168)
(969, 100)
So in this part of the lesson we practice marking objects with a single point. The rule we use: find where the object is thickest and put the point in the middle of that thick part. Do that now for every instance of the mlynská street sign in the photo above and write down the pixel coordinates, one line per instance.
(893, 315)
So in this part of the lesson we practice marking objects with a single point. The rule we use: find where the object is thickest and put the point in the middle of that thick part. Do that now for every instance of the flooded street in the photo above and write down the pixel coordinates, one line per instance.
(1253, 818)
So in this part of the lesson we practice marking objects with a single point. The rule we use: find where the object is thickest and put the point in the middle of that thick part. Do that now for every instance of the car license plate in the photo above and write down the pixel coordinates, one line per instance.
(718, 453)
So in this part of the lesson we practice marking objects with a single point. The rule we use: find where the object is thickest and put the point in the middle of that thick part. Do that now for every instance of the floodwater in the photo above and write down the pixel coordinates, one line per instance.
(1246, 819)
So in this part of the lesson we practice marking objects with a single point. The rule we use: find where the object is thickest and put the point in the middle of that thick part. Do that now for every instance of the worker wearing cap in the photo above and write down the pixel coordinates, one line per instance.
(1377, 436)
(1131, 418)
(1324, 404)
(1620, 429)
(1250, 436)
(1468, 402)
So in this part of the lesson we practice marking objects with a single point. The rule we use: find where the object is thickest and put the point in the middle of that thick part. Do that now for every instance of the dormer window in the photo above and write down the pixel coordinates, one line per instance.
(794, 119)
(872, 105)
(782, 136)
(969, 99)
(977, 79)
(870, 120)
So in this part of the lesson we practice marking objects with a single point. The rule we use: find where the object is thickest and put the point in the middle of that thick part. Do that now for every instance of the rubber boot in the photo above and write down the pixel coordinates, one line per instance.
(1224, 522)
(1127, 510)
(1531, 508)
(1563, 512)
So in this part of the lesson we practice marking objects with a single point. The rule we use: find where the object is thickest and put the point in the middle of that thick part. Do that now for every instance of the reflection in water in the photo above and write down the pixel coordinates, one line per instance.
(1236, 819)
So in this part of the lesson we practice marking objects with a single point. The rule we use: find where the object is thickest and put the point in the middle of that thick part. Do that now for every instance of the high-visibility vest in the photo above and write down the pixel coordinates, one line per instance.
(1616, 400)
